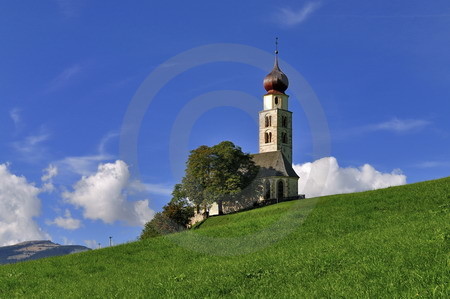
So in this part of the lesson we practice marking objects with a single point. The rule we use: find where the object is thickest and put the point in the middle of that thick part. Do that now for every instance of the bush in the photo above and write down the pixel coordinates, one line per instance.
(160, 225)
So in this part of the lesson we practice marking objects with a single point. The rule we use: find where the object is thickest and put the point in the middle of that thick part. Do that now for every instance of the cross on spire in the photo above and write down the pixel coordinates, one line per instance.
(276, 45)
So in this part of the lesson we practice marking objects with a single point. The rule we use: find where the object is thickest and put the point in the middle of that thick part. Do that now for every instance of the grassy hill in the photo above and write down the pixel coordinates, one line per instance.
(391, 243)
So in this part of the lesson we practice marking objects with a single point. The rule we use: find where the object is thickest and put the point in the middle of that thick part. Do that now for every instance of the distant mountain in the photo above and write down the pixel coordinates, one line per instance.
(33, 250)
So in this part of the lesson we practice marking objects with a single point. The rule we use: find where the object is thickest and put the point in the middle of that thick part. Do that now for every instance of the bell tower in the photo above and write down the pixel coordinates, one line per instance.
(275, 120)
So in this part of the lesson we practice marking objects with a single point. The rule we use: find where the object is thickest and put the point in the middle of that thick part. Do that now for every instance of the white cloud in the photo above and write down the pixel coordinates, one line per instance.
(85, 165)
(325, 177)
(48, 187)
(290, 17)
(50, 172)
(395, 125)
(158, 189)
(67, 241)
(107, 138)
(433, 164)
(103, 196)
(15, 116)
(31, 148)
(91, 244)
(64, 77)
(66, 222)
(399, 125)
(19, 204)
(151, 188)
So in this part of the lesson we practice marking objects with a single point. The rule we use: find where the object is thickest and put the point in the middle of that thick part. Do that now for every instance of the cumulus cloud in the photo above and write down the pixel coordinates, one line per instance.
(103, 196)
(66, 222)
(19, 204)
(325, 177)
(49, 173)
(291, 17)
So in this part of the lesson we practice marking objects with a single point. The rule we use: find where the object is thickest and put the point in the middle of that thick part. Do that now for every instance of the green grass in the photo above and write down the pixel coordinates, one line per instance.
(392, 243)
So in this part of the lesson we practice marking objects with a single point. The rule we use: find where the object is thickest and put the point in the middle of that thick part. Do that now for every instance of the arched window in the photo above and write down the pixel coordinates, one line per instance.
(267, 190)
(268, 121)
(284, 137)
(280, 190)
(276, 100)
(284, 121)
(268, 137)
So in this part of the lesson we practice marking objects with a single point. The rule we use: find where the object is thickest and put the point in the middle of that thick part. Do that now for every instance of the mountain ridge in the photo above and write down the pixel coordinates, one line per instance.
(36, 249)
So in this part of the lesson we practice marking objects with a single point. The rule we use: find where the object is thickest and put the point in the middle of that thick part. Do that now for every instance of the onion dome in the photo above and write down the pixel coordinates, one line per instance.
(276, 81)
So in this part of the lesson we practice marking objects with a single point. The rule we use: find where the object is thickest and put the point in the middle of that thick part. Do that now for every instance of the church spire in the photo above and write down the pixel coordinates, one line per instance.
(276, 54)
(276, 81)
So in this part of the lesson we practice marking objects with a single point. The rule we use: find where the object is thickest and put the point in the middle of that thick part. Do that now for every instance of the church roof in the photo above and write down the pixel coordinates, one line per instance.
(273, 164)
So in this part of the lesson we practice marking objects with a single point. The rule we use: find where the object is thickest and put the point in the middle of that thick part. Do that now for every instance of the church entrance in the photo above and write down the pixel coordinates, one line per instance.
(280, 189)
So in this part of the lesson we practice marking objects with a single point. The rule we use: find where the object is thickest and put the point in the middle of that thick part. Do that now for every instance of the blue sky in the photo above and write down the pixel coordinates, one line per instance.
(71, 69)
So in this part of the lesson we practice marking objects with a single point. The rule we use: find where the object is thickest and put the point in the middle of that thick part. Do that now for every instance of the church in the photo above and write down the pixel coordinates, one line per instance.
(276, 175)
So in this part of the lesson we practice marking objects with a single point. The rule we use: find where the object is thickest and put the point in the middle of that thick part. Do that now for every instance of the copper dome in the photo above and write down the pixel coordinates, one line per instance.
(276, 81)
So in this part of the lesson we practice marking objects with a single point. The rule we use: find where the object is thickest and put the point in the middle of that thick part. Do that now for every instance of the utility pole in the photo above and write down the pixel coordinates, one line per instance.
(110, 241)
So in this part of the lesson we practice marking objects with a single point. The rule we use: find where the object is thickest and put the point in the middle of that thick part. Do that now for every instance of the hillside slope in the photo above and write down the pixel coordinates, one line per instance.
(392, 242)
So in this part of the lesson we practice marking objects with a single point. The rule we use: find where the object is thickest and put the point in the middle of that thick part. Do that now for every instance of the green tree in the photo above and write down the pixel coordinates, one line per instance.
(221, 173)
(174, 217)
(158, 226)
(179, 210)
(195, 180)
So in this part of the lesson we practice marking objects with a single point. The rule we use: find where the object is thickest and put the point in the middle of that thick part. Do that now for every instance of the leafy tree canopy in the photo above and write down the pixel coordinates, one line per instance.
(218, 173)
(213, 174)
(174, 217)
